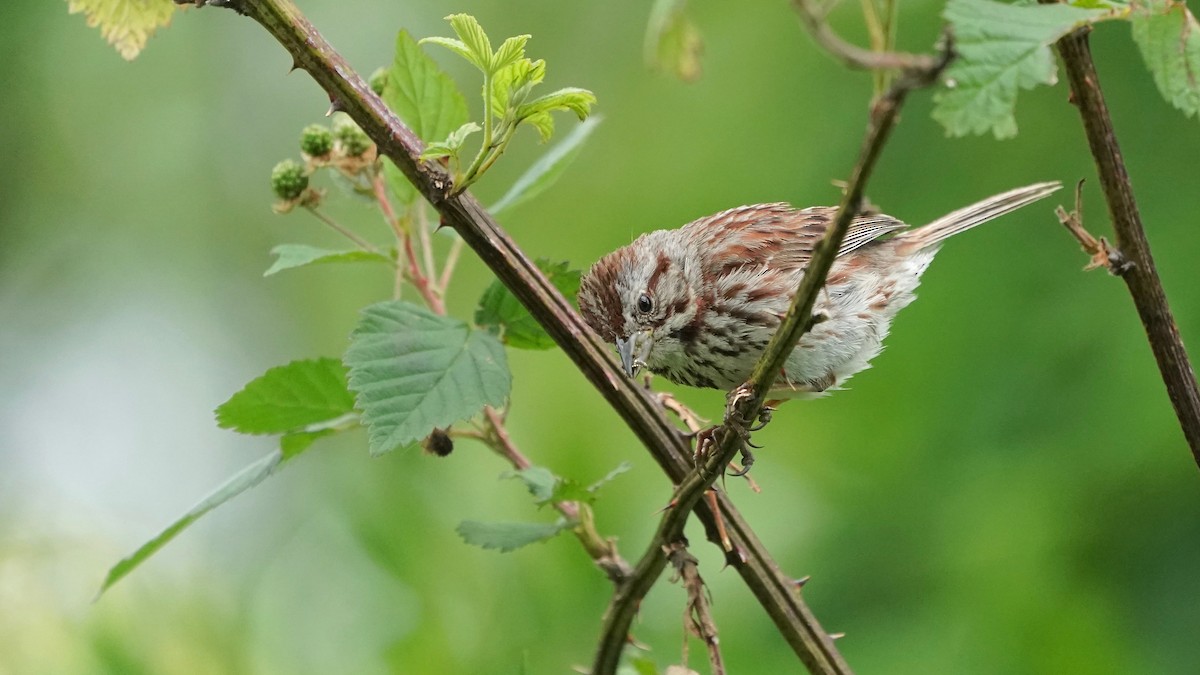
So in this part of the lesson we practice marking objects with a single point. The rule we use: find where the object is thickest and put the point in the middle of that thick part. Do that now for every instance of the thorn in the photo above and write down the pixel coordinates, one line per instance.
(335, 105)
(836, 636)
(799, 583)
(295, 66)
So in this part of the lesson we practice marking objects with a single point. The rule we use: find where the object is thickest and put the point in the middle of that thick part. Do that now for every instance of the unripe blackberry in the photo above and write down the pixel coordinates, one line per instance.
(288, 179)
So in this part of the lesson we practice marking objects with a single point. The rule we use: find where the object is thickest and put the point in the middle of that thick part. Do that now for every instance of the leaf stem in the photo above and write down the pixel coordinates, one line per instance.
(342, 230)
(602, 551)
(404, 241)
(472, 172)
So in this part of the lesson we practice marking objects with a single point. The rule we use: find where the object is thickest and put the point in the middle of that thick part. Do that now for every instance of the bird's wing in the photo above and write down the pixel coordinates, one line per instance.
(777, 236)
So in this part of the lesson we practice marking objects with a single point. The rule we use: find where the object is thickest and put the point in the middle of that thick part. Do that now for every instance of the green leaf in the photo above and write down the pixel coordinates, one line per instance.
(547, 169)
(476, 41)
(421, 94)
(568, 490)
(243, 480)
(125, 24)
(289, 398)
(608, 477)
(501, 313)
(511, 51)
(453, 45)
(289, 256)
(543, 123)
(578, 101)
(540, 481)
(1001, 49)
(673, 43)
(509, 536)
(452, 144)
(511, 85)
(414, 371)
(297, 442)
(1167, 34)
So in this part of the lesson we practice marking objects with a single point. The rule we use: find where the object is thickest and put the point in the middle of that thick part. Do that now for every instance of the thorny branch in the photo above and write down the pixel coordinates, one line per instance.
(747, 401)
(775, 591)
(1140, 276)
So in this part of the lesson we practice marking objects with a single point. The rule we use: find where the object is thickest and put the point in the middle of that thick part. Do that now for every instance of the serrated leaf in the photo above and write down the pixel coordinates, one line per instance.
(243, 480)
(509, 536)
(289, 398)
(568, 490)
(1169, 38)
(414, 371)
(673, 43)
(125, 24)
(540, 481)
(297, 442)
(511, 51)
(511, 85)
(452, 144)
(608, 477)
(547, 169)
(475, 39)
(421, 94)
(1001, 49)
(291, 256)
(453, 45)
(543, 123)
(500, 312)
(578, 101)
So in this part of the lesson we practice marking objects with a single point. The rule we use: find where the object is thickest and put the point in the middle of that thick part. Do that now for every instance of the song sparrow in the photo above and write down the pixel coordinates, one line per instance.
(698, 304)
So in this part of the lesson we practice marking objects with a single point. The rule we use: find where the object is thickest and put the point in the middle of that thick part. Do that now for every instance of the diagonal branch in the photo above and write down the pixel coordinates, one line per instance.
(746, 402)
(775, 591)
(1141, 277)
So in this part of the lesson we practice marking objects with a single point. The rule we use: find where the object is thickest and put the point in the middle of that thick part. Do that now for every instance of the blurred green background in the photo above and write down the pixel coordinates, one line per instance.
(1006, 491)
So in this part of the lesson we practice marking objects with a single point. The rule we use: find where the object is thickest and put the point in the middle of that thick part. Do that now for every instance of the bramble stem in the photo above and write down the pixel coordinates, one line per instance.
(1141, 277)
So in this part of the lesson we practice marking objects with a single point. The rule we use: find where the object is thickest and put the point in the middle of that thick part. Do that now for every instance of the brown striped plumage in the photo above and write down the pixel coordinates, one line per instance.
(698, 304)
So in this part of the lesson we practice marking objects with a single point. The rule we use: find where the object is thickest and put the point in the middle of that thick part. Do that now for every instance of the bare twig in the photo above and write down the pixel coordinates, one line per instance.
(813, 18)
(774, 590)
(1103, 254)
(1141, 277)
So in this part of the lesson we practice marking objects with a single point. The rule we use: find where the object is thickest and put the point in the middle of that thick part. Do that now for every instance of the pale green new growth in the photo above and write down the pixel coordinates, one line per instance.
(1167, 34)
(1001, 49)
(414, 371)
(126, 24)
(508, 79)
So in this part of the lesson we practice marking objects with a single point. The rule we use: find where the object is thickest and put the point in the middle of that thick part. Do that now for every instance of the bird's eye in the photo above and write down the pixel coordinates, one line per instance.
(645, 304)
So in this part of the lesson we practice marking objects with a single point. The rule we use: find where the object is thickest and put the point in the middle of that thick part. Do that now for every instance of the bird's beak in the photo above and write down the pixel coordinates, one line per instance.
(634, 350)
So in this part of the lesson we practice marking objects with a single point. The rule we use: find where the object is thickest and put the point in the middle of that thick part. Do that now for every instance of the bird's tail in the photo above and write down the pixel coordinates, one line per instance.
(970, 216)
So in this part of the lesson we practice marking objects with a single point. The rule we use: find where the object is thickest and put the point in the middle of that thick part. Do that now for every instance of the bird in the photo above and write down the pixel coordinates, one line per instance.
(698, 304)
